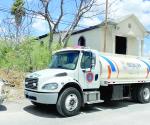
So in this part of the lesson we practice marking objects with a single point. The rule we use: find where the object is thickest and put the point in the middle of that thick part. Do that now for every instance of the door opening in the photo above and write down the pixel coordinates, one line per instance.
(82, 41)
(121, 45)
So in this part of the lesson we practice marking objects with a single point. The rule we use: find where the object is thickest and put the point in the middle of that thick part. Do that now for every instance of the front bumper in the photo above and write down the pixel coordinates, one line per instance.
(2, 98)
(41, 97)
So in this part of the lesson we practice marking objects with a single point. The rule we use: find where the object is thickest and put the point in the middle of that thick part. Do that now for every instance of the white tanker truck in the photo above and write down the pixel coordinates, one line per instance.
(78, 76)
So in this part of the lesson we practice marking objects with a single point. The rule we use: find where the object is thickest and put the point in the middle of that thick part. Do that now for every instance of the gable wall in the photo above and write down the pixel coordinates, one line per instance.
(93, 39)
(134, 35)
(135, 28)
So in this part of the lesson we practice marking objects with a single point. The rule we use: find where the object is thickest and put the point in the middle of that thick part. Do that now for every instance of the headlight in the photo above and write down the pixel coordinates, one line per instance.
(50, 86)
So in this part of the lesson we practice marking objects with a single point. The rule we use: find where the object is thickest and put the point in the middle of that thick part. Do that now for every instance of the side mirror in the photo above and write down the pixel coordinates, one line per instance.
(92, 62)
(92, 65)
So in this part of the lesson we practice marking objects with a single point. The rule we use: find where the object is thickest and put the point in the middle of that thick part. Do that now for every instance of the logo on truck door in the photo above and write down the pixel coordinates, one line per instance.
(89, 77)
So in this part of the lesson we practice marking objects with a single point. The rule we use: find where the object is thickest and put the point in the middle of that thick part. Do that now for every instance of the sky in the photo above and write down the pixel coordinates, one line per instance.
(117, 9)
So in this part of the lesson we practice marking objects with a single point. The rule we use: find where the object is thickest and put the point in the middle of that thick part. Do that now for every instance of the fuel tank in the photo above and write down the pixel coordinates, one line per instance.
(116, 66)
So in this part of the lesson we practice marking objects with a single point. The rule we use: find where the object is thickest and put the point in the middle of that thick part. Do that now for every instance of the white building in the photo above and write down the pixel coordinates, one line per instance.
(124, 36)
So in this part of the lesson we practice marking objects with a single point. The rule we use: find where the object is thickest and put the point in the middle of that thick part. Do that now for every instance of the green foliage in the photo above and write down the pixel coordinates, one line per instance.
(28, 56)
(18, 11)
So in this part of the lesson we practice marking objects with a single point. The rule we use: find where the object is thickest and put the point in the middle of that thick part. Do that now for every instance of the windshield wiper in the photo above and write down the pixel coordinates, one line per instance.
(59, 66)
(56, 67)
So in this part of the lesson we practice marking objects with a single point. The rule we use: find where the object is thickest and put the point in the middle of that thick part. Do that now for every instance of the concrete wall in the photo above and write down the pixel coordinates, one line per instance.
(134, 35)
(110, 41)
(93, 39)
(132, 46)
(123, 29)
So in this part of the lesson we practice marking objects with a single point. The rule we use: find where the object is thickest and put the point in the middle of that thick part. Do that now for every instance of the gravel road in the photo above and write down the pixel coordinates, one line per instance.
(125, 112)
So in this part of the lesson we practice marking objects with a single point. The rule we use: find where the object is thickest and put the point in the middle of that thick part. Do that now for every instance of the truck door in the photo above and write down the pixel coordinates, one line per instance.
(89, 74)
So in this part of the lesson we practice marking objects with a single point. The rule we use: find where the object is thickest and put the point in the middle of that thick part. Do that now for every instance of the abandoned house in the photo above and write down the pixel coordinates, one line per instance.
(124, 36)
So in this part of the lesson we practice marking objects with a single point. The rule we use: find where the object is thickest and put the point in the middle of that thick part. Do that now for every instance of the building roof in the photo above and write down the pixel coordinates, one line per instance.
(42, 36)
(93, 27)
(86, 29)
(110, 22)
(113, 22)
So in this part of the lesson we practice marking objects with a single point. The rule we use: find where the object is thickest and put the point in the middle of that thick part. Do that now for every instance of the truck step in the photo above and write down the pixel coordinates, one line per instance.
(91, 97)
(97, 101)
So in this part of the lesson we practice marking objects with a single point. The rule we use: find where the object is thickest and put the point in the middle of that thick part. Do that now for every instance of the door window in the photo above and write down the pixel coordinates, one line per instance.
(87, 60)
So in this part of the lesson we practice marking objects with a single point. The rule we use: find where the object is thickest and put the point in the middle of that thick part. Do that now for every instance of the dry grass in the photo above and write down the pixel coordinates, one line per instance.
(14, 80)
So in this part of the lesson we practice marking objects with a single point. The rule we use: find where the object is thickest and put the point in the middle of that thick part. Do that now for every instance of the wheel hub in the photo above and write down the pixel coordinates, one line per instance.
(71, 102)
(146, 93)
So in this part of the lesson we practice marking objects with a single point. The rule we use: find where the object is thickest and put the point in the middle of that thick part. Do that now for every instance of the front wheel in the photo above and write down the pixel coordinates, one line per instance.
(69, 102)
(144, 94)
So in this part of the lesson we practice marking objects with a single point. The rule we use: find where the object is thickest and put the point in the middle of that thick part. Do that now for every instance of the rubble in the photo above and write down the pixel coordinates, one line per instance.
(14, 84)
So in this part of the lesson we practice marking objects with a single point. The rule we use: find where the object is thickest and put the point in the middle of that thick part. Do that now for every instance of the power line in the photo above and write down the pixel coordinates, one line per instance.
(31, 16)
(62, 21)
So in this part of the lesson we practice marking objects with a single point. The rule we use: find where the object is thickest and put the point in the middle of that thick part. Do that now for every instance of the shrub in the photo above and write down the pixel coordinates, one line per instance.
(28, 56)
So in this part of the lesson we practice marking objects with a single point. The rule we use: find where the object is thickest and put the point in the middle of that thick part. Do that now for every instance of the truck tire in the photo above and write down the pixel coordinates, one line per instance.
(144, 94)
(69, 102)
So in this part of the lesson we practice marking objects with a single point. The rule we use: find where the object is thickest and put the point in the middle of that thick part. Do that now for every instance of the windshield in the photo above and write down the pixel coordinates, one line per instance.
(65, 60)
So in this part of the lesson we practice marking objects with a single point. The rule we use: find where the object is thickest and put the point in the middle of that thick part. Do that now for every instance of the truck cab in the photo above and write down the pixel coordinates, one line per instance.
(70, 72)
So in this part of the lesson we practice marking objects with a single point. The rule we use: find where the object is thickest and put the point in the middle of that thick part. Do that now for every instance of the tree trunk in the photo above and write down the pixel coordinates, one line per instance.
(17, 34)
(60, 42)
(50, 41)
(65, 41)
(50, 45)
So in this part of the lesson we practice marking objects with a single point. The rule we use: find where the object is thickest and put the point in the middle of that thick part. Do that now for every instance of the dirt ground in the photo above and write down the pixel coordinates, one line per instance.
(14, 84)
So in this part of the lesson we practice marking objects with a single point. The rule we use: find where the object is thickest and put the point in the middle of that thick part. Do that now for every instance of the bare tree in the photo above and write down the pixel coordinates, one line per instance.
(81, 8)
(8, 29)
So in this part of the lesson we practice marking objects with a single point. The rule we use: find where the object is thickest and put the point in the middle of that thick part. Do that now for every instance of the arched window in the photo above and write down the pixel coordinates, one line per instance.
(82, 41)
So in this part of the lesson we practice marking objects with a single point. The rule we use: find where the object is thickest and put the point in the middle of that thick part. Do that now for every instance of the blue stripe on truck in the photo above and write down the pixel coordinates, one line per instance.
(148, 65)
(113, 68)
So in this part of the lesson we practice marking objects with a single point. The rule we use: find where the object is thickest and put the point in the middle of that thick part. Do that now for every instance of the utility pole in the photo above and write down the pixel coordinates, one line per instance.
(105, 27)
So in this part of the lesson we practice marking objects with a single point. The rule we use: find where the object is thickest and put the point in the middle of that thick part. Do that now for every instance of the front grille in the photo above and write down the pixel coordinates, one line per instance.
(31, 83)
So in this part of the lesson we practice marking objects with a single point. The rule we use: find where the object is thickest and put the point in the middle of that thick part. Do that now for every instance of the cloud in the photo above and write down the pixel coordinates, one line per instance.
(90, 21)
(40, 25)
(138, 7)
(147, 53)
(120, 8)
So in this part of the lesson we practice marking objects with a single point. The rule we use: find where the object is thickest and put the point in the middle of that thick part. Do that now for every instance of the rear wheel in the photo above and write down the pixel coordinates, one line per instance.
(69, 102)
(144, 94)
